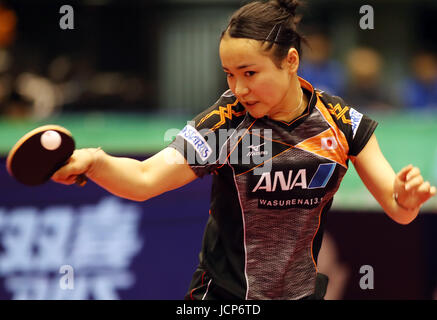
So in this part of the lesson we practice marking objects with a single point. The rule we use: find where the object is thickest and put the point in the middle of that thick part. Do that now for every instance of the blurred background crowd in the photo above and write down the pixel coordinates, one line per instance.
(138, 63)
(162, 56)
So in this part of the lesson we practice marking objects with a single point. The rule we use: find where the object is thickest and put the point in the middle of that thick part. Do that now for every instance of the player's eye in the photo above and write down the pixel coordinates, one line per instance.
(229, 75)
(249, 73)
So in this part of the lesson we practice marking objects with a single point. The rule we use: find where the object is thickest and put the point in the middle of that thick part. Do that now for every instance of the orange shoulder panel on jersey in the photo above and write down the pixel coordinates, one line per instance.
(223, 113)
(331, 143)
(326, 145)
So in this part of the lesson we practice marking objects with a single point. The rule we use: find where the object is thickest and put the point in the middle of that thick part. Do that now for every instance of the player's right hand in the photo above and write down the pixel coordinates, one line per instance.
(79, 163)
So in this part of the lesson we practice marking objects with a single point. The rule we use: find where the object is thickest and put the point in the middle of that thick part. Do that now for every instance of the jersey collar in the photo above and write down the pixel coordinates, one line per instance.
(307, 89)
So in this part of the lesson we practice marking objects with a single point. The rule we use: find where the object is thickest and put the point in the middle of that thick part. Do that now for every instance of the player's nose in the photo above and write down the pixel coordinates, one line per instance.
(241, 89)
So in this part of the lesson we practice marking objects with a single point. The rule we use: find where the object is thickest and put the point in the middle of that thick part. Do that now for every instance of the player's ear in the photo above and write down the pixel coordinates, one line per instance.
(292, 60)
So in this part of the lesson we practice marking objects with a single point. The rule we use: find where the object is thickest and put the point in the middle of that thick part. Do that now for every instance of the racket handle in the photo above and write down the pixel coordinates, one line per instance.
(81, 180)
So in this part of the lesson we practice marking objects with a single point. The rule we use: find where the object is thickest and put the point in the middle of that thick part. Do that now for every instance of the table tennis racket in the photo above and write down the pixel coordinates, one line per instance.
(32, 161)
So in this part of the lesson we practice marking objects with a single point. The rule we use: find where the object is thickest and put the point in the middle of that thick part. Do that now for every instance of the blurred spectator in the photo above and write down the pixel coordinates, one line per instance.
(8, 22)
(46, 97)
(27, 94)
(420, 90)
(69, 77)
(17, 106)
(364, 88)
(5, 78)
(330, 264)
(319, 68)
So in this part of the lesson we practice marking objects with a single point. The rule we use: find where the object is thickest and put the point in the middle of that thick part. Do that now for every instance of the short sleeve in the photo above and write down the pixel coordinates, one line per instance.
(362, 128)
(202, 140)
(356, 126)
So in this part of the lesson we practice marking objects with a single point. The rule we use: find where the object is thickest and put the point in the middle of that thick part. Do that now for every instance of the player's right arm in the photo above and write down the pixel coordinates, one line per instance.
(168, 169)
(129, 178)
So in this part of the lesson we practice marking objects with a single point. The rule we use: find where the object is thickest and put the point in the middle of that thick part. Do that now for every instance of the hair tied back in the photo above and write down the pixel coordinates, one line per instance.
(289, 5)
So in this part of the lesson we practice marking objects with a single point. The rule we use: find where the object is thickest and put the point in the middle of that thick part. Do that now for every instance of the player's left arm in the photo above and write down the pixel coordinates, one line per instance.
(384, 184)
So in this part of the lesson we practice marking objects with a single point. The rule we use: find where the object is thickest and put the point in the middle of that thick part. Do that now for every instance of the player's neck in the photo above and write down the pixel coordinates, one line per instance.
(293, 109)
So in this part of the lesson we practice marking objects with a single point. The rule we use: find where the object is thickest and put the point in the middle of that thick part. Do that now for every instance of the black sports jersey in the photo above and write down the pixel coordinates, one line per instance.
(272, 186)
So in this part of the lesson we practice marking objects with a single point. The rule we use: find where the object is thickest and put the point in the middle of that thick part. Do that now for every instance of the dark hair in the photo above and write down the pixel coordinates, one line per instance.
(273, 22)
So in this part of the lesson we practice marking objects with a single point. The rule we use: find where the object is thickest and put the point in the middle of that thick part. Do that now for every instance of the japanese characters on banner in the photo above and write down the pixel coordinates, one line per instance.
(67, 242)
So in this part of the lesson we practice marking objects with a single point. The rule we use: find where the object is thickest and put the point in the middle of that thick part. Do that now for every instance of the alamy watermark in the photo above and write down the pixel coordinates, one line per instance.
(367, 21)
(233, 146)
(367, 281)
(67, 20)
(66, 282)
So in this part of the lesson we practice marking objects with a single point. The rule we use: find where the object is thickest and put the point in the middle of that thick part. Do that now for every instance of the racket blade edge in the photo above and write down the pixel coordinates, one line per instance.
(31, 164)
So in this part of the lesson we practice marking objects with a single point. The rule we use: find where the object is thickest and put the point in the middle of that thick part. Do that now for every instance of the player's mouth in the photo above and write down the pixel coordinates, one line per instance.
(249, 104)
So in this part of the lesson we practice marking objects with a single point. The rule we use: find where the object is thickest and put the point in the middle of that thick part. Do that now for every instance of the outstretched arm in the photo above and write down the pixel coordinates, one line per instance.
(129, 178)
(400, 195)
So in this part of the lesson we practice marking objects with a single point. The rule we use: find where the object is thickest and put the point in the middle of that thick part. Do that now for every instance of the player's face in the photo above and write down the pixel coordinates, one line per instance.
(262, 88)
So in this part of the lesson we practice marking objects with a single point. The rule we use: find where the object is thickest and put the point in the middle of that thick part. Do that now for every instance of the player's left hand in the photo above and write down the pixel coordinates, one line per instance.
(412, 191)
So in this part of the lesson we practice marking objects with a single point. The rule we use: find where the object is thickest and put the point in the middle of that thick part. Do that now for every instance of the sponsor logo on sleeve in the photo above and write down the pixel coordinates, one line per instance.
(193, 137)
(356, 119)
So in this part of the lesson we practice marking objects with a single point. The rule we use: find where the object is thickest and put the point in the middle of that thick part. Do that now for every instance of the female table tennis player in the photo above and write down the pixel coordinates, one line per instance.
(265, 226)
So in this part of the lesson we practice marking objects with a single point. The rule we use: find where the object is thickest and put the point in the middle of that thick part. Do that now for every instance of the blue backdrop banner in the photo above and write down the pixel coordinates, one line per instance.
(68, 242)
